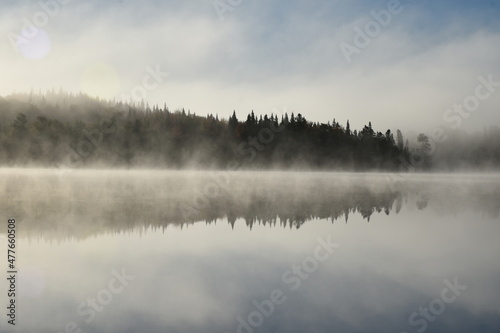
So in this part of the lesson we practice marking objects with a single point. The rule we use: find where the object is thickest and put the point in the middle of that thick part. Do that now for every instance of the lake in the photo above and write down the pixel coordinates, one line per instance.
(193, 251)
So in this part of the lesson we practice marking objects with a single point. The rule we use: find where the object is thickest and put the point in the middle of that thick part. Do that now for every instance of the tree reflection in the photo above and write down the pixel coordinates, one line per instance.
(84, 204)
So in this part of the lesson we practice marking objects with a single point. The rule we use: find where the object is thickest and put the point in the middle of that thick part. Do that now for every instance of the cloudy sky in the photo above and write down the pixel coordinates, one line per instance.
(405, 67)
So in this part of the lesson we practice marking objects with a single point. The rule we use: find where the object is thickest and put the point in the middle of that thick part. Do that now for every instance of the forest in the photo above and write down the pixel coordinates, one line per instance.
(59, 129)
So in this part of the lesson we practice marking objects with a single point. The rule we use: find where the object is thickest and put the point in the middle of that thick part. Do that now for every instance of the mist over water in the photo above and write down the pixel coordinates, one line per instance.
(204, 248)
(53, 203)
(250, 166)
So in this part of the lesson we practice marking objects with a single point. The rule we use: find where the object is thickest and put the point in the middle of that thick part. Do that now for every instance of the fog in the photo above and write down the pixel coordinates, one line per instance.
(203, 246)
(250, 166)
(83, 203)
(72, 131)
(262, 56)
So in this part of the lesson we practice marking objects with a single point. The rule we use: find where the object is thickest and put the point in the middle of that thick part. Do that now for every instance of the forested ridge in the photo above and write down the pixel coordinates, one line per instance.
(75, 130)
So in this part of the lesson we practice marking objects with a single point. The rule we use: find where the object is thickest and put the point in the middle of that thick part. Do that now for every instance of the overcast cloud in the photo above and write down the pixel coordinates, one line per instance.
(267, 56)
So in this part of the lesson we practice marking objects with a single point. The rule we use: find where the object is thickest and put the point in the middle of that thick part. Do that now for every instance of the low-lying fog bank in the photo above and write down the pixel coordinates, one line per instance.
(84, 202)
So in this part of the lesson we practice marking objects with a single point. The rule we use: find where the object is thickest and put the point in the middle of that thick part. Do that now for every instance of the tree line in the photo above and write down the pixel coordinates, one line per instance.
(75, 130)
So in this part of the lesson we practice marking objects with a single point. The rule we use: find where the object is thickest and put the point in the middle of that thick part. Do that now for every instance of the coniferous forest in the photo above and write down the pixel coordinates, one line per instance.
(58, 129)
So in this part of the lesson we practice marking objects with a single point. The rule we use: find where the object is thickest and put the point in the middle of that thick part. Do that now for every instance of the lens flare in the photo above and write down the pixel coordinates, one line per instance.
(34, 46)
(100, 79)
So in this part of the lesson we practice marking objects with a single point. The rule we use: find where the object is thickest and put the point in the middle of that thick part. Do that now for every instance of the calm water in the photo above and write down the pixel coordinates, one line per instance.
(156, 251)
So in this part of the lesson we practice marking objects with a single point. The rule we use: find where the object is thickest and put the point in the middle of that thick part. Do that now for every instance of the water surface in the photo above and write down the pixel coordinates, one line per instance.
(210, 252)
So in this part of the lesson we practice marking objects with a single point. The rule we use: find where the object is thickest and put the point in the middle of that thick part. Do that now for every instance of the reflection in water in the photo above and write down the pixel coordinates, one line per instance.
(83, 203)
(208, 277)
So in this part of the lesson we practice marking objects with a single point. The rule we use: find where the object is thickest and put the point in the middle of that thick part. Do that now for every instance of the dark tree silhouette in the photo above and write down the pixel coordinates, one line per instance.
(60, 128)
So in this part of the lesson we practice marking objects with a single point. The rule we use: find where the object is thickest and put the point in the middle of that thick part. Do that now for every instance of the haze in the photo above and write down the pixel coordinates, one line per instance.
(267, 56)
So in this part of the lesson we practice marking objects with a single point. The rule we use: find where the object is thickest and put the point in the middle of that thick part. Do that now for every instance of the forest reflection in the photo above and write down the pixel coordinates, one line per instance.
(87, 203)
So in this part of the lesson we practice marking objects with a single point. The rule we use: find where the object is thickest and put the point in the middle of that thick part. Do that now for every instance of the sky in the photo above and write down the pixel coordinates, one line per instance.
(408, 64)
